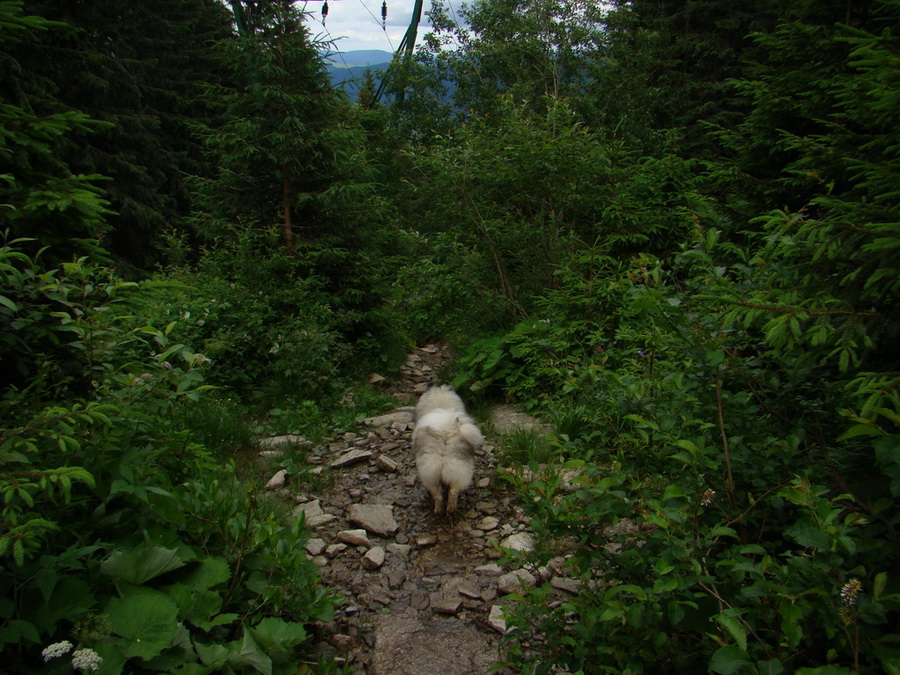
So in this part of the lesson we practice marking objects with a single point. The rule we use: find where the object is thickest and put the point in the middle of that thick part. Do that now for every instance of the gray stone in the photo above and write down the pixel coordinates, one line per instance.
(488, 523)
(443, 605)
(492, 570)
(496, 619)
(521, 541)
(513, 581)
(277, 481)
(401, 416)
(283, 442)
(354, 456)
(426, 540)
(374, 518)
(374, 558)
(385, 463)
(335, 549)
(399, 549)
(353, 537)
(315, 516)
(315, 546)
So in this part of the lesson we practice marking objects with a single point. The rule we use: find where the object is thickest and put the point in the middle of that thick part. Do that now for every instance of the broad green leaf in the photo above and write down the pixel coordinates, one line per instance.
(274, 634)
(206, 573)
(149, 619)
(215, 656)
(791, 615)
(809, 535)
(140, 564)
(770, 667)
(723, 531)
(251, 655)
(729, 659)
(735, 628)
(880, 583)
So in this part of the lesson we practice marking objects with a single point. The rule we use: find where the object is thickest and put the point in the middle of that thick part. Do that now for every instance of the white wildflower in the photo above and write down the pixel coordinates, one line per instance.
(87, 660)
(56, 649)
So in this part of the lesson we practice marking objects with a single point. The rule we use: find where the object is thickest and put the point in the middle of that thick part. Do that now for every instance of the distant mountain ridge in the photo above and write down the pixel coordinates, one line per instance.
(346, 69)
(359, 57)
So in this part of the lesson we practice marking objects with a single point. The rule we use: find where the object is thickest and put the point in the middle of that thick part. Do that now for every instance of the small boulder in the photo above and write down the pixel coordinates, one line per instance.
(521, 541)
(374, 558)
(277, 481)
(443, 605)
(496, 619)
(315, 546)
(514, 581)
(353, 537)
(375, 518)
(385, 463)
(314, 514)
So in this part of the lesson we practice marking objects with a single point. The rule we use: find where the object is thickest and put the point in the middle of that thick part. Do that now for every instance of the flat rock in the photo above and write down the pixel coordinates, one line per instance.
(374, 558)
(443, 605)
(315, 546)
(315, 516)
(354, 456)
(488, 523)
(374, 518)
(513, 581)
(491, 569)
(521, 541)
(272, 454)
(282, 442)
(399, 416)
(426, 540)
(385, 463)
(353, 537)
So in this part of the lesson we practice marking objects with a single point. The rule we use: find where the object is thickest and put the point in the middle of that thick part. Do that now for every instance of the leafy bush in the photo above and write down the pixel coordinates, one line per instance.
(718, 511)
(120, 531)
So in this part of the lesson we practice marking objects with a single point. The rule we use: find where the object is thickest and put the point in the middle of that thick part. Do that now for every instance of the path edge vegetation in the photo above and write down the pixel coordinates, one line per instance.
(670, 230)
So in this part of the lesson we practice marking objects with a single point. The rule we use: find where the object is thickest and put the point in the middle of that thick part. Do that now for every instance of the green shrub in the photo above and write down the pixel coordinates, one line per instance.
(120, 530)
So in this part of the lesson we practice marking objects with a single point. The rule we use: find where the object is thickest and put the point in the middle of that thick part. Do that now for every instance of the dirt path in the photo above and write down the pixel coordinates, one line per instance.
(422, 594)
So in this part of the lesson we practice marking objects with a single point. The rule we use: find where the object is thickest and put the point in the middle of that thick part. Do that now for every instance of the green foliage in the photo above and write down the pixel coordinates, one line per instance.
(40, 197)
(135, 69)
(536, 189)
(120, 531)
(712, 442)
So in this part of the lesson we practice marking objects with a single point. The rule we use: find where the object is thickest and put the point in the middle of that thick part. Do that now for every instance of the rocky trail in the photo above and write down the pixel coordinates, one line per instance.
(422, 594)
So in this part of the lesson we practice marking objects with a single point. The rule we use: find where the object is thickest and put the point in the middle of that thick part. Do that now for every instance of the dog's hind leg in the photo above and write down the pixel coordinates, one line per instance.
(452, 497)
(438, 495)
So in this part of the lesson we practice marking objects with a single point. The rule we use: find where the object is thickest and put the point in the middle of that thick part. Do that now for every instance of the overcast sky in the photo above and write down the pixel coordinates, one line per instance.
(356, 24)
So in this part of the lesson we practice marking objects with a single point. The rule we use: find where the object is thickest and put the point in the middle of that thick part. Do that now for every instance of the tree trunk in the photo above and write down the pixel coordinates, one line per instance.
(287, 227)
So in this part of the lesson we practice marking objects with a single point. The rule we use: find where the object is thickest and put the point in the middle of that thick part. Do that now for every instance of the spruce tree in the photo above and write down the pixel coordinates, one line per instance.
(138, 67)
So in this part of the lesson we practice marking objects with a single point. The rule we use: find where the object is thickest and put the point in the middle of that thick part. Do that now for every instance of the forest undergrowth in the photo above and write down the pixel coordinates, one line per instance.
(671, 230)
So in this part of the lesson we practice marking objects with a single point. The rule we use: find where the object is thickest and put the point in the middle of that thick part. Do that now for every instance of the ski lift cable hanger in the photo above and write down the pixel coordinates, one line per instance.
(384, 11)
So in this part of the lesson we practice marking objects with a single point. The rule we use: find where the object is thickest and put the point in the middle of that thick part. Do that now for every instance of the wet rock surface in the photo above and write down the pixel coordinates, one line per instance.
(420, 593)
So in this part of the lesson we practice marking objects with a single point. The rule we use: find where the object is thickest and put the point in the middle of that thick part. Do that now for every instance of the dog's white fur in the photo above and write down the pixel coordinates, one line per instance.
(445, 440)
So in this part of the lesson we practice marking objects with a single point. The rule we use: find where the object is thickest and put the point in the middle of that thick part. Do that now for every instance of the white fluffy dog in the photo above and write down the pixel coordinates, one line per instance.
(445, 440)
